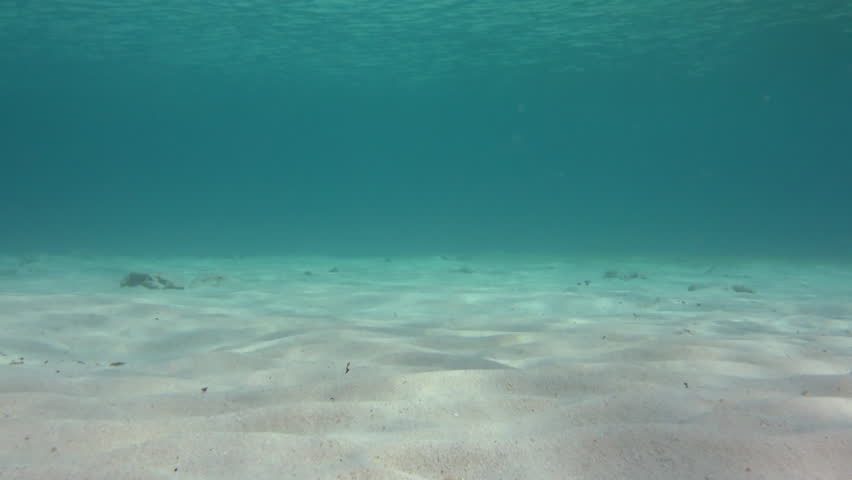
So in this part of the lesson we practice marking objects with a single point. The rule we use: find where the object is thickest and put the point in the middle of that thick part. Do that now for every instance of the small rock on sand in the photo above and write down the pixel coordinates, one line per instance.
(147, 280)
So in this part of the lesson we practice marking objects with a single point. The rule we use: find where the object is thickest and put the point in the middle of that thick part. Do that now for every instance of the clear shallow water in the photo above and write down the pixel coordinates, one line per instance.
(408, 42)
(381, 128)
(458, 178)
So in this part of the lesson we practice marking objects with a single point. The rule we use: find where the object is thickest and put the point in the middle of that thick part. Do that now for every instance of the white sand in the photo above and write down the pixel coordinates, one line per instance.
(512, 371)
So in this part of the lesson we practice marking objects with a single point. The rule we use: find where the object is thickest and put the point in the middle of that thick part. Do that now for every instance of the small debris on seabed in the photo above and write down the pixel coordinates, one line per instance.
(153, 282)
(742, 289)
(623, 276)
(117, 364)
(212, 280)
(347, 368)
(203, 389)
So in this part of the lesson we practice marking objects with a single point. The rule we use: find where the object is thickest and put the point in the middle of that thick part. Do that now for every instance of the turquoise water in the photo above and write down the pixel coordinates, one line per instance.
(425, 239)
(330, 127)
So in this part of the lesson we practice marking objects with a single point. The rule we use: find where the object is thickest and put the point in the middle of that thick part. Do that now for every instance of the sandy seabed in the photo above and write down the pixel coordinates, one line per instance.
(492, 367)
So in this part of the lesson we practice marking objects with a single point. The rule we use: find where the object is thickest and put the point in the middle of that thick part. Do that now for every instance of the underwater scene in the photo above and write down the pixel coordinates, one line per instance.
(354, 239)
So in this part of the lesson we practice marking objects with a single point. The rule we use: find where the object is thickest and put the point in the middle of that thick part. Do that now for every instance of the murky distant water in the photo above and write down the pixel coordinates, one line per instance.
(333, 127)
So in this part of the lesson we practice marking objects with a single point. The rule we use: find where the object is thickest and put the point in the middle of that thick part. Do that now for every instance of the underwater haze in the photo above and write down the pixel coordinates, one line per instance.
(408, 127)
(395, 240)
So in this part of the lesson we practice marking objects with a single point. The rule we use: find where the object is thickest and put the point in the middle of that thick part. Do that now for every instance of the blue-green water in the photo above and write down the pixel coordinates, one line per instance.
(330, 127)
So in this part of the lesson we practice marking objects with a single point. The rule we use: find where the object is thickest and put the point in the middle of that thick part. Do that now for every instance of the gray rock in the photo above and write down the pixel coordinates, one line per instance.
(153, 282)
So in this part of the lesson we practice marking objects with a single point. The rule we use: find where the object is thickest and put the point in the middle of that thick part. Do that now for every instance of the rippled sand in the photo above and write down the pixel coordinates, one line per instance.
(439, 367)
